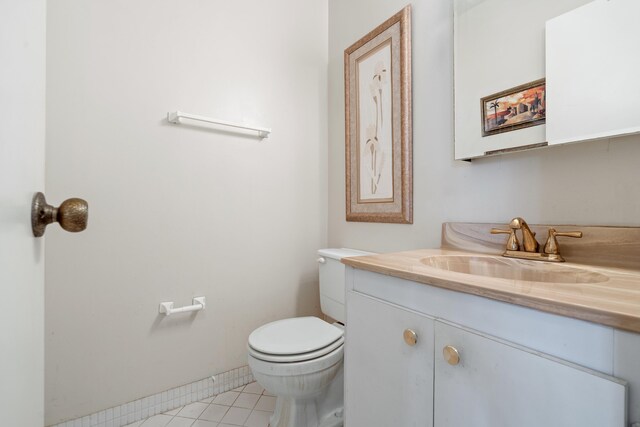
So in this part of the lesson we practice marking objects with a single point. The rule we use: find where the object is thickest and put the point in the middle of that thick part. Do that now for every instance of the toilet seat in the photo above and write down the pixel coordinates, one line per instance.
(291, 358)
(294, 340)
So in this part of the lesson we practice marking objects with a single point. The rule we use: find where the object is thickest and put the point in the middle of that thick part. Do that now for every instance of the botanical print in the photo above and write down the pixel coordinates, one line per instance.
(513, 109)
(374, 122)
(378, 153)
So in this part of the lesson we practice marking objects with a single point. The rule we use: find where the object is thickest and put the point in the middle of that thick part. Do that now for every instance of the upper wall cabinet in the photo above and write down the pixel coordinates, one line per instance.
(593, 72)
(503, 102)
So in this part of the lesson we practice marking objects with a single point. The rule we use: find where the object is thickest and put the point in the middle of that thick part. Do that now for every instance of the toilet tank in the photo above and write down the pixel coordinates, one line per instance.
(332, 284)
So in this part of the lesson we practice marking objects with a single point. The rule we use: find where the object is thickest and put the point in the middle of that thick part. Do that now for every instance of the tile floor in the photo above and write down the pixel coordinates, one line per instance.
(248, 406)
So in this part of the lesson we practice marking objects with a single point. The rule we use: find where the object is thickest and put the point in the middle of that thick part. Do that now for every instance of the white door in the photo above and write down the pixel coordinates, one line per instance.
(493, 383)
(22, 135)
(387, 381)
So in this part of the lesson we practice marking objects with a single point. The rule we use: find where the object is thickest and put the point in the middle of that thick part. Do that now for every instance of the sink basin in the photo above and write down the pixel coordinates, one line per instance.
(513, 269)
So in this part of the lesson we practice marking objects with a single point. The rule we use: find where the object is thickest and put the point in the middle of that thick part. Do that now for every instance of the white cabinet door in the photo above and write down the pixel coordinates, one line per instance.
(498, 384)
(387, 381)
(592, 74)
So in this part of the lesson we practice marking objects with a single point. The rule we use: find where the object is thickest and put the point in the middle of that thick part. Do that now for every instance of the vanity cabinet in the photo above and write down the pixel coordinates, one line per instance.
(506, 365)
(393, 380)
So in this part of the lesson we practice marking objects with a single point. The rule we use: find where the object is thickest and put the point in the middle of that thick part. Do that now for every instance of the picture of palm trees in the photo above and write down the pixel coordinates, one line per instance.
(516, 108)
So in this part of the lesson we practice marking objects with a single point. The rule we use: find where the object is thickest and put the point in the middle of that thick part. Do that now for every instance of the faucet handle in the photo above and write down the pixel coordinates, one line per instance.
(500, 231)
(551, 247)
(512, 242)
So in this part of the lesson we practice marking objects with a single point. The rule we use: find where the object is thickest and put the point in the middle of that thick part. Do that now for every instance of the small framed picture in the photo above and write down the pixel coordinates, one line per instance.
(516, 108)
(377, 71)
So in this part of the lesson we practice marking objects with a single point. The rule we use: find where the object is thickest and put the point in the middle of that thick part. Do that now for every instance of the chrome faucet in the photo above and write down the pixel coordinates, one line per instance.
(530, 248)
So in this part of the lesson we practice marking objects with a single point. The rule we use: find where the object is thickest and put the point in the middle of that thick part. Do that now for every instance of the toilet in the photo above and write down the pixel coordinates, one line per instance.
(299, 360)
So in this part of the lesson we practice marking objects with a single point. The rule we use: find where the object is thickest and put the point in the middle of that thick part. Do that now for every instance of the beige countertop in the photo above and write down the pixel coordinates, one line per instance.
(614, 302)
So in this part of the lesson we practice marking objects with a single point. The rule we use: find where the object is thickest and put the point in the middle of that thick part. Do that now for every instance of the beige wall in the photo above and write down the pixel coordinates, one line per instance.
(177, 212)
(586, 183)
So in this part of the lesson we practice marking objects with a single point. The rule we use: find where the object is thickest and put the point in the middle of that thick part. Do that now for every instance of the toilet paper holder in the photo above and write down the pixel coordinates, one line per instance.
(198, 303)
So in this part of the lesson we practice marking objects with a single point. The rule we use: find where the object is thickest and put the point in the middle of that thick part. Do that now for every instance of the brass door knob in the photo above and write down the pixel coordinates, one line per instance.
(410, 337)
(72, 215)
(451, 355)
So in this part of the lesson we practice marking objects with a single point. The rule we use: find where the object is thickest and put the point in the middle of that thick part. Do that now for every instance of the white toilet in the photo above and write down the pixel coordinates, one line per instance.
(300, 359)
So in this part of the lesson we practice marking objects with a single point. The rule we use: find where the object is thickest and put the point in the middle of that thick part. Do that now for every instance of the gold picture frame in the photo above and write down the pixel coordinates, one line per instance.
(378, 132)
(516, 108)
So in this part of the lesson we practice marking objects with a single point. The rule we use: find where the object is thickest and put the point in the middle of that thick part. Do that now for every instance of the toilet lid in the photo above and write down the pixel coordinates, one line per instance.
(294, 336)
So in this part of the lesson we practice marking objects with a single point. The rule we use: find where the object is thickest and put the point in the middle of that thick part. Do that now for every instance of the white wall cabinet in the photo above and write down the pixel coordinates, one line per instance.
(487, 61)
(584, 48)
(559, 372)
(393, 380)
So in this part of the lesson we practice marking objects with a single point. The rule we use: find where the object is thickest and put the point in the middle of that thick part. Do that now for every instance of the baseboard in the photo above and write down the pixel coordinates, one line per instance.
(167, 400)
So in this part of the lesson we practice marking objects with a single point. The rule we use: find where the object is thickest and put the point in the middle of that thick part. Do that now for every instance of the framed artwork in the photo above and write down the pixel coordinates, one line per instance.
(516, 108)
(377, 75)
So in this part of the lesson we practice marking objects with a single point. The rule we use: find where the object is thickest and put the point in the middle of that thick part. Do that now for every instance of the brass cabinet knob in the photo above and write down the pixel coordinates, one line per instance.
(451, 355)
(72, 215)
(410, 337)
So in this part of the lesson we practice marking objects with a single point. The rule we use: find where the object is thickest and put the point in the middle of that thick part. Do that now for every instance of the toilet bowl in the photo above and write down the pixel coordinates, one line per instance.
(299, 360)
(300, 375)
